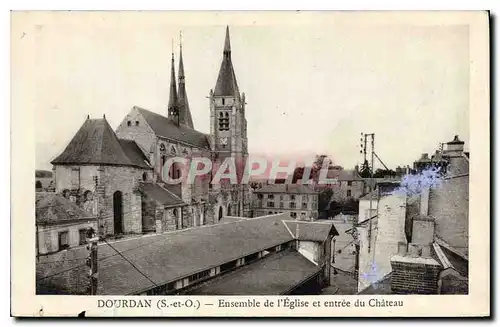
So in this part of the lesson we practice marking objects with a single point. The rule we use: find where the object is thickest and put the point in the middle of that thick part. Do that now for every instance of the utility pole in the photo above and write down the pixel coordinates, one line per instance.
(91, 261)
(372, 136)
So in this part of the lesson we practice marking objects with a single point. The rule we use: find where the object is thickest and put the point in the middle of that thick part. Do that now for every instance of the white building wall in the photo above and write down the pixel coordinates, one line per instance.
(387, 232)
(310, 250)
(48, 236)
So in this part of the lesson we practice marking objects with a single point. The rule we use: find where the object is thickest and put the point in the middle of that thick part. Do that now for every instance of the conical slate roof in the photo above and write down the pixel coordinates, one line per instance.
(96, 143)
(226, 82)
(185, 117)
(172, 100)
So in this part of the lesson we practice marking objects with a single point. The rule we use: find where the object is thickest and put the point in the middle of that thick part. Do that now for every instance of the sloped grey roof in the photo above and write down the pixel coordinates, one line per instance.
(52, 208)
(161, 195)
(169, 256)
(96, 143)
(164, 127)
(274, 275)
(134, 153)
(311, 231)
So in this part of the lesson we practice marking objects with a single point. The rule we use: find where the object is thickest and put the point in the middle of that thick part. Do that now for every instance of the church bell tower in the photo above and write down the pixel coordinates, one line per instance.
(228, 125)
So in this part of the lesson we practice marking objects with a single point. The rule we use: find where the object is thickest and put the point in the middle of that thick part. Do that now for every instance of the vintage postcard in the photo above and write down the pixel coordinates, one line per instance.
(250, 164)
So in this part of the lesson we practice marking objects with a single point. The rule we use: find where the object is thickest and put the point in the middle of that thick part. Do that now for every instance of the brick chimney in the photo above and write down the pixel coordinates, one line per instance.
(414, 271)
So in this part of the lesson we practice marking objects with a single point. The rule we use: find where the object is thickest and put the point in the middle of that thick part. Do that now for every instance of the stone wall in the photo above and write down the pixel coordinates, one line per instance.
(449, 206)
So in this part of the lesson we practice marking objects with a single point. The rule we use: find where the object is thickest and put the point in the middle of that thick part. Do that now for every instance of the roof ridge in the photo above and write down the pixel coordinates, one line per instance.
(170, 120)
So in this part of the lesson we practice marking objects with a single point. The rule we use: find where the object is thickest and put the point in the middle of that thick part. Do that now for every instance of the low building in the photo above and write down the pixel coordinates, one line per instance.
(300, 201)
(233, 257)
(60, 223)
(348, 186)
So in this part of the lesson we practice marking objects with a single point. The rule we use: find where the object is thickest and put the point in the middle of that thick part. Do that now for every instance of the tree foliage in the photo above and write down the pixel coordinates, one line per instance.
(365, 171)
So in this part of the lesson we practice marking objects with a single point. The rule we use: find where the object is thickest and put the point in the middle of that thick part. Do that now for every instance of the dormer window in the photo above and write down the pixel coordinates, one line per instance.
(129, 123)
(136, 123)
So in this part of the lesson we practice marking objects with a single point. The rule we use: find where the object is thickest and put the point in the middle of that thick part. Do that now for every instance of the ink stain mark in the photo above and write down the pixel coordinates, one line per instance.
(81, 314)
(24, 33)
(415, 184)
(40, 312)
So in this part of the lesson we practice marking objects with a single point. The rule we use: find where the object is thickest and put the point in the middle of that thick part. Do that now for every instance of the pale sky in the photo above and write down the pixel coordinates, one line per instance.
(311, 87)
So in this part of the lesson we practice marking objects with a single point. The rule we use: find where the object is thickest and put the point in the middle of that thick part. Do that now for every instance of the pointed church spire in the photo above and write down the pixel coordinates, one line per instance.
(173, 112)
(185, 117)
(226, 82)
(227, 42)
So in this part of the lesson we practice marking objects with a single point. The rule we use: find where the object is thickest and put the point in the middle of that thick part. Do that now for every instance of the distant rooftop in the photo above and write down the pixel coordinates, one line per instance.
(286, 188)
(52, 208)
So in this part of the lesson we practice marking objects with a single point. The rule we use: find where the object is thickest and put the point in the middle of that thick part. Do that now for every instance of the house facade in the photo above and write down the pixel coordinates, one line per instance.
(60, 223)
(300, 201)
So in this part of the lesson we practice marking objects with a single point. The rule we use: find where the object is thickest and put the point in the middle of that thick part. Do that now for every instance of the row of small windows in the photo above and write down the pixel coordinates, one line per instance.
(63, 238)
(129, 123)
(226, 267)
(292, 197)
(292, 205)
(223, 121)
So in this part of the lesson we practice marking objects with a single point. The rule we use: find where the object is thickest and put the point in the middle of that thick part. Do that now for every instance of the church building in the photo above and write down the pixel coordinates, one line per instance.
(118, 174)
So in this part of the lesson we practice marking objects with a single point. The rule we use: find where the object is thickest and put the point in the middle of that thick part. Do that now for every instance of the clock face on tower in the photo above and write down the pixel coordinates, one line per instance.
(223, 140)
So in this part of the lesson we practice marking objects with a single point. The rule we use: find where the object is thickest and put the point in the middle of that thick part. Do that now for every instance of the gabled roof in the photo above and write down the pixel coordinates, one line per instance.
(161, 195)
(52, 208)
(311, 231)
(165, 127)
(226, 82)
(96, 143)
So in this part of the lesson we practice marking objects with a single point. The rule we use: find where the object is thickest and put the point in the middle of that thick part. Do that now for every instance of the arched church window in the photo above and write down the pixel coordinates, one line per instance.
(223, 101)
(162, 148)
(144, 176)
